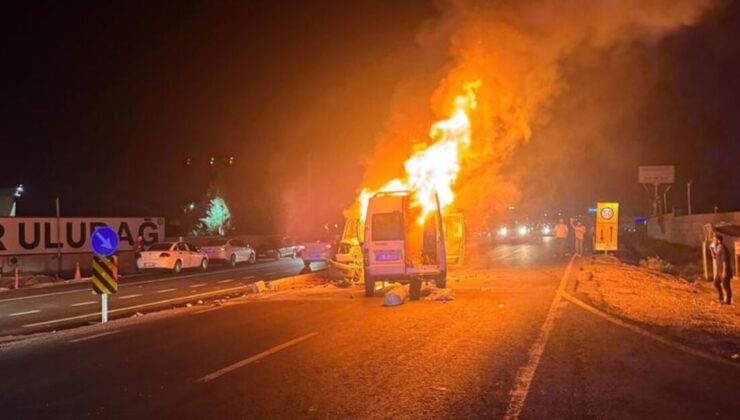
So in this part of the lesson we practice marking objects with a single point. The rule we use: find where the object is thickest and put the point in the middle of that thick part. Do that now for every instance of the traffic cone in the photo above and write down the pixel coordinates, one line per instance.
(78, 275)
(16, 279)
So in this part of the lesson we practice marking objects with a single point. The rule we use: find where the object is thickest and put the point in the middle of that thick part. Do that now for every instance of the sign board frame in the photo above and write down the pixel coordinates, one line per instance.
(656, 174)
(21, 236)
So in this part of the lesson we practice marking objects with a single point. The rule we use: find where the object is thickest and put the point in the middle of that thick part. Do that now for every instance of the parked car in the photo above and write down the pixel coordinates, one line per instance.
(315, 252)
(276, 248)
(229, 251)
(174, 256)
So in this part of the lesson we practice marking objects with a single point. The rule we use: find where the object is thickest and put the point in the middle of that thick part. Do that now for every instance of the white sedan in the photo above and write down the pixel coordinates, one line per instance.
(173, 256)
(229, 251)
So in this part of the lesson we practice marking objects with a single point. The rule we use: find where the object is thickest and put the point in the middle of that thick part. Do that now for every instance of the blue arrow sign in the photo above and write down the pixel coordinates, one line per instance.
(104, 241)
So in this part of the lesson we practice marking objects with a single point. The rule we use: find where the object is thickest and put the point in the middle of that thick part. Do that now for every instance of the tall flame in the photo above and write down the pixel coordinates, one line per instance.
(434, 168)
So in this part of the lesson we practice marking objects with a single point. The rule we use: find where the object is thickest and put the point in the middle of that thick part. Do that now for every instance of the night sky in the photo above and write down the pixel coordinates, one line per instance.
(104, 101)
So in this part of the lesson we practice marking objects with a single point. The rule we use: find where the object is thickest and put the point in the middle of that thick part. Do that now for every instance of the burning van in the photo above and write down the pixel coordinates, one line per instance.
(401, 245)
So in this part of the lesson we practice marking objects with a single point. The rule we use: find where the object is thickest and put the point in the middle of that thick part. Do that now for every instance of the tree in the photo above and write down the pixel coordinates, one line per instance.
(217, 220)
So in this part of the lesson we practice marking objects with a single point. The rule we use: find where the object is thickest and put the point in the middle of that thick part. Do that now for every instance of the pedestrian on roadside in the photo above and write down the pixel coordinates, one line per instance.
(560, 231)
(579, 230)
(724, 270)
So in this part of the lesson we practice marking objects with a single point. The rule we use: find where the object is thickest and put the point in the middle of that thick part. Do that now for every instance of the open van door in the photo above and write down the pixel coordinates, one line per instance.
(454, 238)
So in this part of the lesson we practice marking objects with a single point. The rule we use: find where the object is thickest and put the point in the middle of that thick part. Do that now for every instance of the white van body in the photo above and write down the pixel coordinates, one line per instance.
(386, 245)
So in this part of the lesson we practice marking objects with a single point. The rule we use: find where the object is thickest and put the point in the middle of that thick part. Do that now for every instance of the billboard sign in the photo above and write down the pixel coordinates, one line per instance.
(43, 235)
(657, 174)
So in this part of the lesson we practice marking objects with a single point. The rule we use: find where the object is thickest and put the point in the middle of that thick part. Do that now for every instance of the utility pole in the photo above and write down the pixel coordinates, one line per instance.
(688, 195)
(309, 192)
(59, 242)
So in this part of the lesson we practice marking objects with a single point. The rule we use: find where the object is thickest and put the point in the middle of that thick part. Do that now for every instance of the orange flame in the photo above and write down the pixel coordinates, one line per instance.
(434, 169)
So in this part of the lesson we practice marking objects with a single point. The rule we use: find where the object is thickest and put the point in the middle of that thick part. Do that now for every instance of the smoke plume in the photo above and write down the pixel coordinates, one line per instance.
(517, 50)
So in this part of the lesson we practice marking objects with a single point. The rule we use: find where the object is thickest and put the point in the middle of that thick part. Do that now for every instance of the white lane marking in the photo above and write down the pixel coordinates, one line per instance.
(251, 359)
(44, 295)
(225, 281)
(77, 340)
(525, 375)
(129, 296)
(215, 308)
(248, 277)
(670, 343)
(143, 305)
(165, 290)
(158, 280)
(25, 313)
(270, 273)
(198, 285)
(84, 303)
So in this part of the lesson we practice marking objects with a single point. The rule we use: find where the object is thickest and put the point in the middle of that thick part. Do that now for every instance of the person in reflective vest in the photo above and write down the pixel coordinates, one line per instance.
(560, 231)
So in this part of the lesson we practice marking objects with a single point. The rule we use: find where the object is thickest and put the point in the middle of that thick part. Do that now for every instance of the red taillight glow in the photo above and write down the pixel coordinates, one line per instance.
(164, 255)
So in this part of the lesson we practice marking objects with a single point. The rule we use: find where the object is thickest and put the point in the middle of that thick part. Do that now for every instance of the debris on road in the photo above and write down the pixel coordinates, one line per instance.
(442, 295)
(258, 287)
(396, 296)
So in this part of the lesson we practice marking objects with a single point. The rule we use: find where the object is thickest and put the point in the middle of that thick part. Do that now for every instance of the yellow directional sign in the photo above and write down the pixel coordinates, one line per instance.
(105, 275)
(607, 226)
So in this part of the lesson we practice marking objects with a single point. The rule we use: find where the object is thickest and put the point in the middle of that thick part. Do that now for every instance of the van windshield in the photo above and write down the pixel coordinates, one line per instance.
(388, 227)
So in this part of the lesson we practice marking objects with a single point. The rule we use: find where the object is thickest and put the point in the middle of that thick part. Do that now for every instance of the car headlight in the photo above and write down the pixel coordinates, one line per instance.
(546, 230)
(503, 231)
(522, 230)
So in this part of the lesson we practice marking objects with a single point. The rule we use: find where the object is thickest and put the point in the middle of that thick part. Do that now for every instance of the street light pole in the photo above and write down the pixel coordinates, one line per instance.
(665, 199)
(688, 195)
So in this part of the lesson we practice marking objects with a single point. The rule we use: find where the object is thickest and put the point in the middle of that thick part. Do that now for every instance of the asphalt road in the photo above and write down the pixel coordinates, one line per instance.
(507, 345)
(51, 308)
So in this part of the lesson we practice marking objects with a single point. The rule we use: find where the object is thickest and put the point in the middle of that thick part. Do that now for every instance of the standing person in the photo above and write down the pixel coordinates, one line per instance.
(579, 230)
(724, 270)
(561, 237)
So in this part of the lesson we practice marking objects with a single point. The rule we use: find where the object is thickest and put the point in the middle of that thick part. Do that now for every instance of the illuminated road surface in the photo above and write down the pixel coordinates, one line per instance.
(51, 308)
(504, 345)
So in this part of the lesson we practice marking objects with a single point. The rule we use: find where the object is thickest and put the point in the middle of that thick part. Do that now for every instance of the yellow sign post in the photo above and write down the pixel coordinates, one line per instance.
(607, 227)
(104, 281)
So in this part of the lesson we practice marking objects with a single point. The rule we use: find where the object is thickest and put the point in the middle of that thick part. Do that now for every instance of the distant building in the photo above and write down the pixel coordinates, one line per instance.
(7, 201)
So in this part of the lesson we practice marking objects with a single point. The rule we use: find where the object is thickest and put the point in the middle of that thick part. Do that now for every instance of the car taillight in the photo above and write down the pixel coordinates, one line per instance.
(164, 255)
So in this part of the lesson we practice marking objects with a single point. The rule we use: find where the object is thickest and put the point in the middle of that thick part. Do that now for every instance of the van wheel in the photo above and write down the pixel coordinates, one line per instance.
(415, 289)
(369, 287)
(204, 264)
(232, 260)
(178, 267)
(441, 281)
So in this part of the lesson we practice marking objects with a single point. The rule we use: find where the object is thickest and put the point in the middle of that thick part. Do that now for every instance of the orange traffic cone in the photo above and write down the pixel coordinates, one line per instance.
(16, 279)
(78, 275)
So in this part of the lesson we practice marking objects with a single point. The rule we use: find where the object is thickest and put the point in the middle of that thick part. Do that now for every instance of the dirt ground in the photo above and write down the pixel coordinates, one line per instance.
(687, 311)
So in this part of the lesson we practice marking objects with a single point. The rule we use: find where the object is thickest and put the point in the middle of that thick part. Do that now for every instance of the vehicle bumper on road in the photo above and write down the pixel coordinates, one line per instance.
(154, 265)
